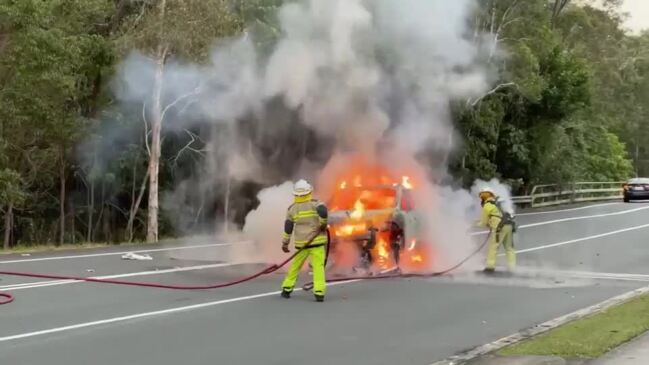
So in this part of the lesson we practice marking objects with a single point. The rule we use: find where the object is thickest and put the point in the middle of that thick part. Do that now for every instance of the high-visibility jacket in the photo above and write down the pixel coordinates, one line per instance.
(491, 215)
(304, 219)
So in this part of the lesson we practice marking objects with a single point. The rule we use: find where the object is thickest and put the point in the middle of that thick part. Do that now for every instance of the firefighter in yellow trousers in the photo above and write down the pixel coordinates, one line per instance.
(306, 222)
(501, 225)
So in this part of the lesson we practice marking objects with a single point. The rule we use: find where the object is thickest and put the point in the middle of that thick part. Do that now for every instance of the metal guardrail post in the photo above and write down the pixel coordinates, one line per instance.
(573, 192)
(554, 194)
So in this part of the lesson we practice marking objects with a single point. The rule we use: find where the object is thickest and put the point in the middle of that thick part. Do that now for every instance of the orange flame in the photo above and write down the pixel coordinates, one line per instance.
(405, 181)
(367, 192)
(359, 210)
(384, 259)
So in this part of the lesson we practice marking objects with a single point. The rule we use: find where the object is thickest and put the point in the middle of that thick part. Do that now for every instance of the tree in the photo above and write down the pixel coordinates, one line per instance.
(12, 196)
(557, 8)
(188, 34)
(52, 54)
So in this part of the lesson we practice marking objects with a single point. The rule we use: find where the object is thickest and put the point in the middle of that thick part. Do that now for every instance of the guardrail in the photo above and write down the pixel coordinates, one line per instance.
(556, 194)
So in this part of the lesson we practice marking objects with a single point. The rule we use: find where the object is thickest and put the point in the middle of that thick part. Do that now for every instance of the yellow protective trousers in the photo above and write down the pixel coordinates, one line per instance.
(505, 238)
(317, 255)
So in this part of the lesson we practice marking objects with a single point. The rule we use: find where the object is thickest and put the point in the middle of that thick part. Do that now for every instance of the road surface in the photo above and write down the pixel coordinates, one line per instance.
(595, 252)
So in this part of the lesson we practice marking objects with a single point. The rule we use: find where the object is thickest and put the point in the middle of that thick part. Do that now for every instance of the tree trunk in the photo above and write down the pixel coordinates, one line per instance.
(62, 195)
(119, 14)
(226, 205)
(154, 158)
(8, 225)
(135, 207)
(156, 128)
(73, 227)
(637, 159)
(558, 7)
(108, 238)
(91, 209)
(101, 212)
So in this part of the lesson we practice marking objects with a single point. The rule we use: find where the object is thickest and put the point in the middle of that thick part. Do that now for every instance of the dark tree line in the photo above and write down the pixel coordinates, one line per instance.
(569, 104)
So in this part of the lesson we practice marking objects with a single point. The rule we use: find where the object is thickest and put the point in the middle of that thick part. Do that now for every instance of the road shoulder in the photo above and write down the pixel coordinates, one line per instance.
(486, 352)
(635, 352)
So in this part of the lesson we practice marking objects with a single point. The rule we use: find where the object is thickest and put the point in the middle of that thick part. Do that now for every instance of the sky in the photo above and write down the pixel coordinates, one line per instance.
(638, 14)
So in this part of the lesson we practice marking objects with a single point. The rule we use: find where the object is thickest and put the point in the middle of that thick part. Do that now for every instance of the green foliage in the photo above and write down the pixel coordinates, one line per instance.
(579, 98)
(188, 28)
(606, 158)
(589, 337)
(571, 105)
(566, 86)
(11, 189)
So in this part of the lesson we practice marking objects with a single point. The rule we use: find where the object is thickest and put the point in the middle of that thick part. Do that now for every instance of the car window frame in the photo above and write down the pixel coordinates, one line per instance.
(407, 198)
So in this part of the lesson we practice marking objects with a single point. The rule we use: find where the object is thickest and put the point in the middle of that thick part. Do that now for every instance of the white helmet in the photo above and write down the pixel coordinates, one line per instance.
(302, 188)
(487, 190)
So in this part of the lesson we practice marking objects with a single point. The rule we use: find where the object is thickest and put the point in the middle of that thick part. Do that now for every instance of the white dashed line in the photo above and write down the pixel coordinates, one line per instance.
(558, 244)
(567, 210)
(177, 248)
(40, 284)
(145, 314)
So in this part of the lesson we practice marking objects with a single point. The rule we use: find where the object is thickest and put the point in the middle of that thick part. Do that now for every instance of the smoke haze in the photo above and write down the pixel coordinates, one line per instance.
(372, 77)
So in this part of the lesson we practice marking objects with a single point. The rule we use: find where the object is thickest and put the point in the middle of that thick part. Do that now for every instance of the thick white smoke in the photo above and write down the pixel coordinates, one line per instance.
(265, 224)
(373, 73)
(502, 191)
(356, 68)
(376, 76)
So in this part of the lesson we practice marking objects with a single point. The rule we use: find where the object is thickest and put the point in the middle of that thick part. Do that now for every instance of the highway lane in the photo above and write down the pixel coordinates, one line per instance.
(397, 321)
(107, 261)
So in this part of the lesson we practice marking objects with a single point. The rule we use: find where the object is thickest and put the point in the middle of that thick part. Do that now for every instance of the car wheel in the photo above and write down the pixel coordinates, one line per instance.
(397, 242)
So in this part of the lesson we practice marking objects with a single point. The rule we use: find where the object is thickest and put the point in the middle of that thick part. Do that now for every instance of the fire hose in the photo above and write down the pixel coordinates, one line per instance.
(308, 286)
(270, 269)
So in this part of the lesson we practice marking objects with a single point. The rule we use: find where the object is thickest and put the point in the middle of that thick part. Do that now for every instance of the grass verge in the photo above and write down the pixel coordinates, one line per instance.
(589, 337)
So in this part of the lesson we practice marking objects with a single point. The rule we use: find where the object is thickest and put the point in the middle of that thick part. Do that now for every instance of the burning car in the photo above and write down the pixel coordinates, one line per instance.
(378, 223)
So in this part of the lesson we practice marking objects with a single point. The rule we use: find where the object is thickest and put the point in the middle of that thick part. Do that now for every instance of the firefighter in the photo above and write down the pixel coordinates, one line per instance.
(306, 222)
(501, 225)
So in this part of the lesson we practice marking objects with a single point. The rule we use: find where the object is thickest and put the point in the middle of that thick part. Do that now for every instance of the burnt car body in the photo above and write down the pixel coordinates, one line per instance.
(636, 189)
(391, 217)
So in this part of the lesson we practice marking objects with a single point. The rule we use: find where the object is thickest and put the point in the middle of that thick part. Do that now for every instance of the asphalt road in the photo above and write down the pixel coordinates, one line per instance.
(569, 259)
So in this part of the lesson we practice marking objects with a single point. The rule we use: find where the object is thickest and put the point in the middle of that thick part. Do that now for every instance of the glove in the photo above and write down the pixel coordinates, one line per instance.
(285, 247)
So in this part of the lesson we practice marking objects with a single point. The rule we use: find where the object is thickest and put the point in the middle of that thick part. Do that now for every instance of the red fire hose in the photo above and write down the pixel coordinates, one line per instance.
(270, 269)
(308, 286)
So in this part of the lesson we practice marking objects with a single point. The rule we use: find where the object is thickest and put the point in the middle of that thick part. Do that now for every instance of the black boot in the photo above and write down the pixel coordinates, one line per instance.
(286, 294)
(489, 270)
(319, 298)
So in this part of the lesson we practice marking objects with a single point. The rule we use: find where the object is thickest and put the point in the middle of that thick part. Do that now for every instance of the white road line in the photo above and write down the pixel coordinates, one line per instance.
(587, 273)
(614, 278)
(591, 275)
(607, 274)
(145, 314)
(567, 210)
(202, 267)
(176, 248)
(570, 219)
(583, 217)
(543, 247)
(34, 283)
(40, 284)
(639, 277)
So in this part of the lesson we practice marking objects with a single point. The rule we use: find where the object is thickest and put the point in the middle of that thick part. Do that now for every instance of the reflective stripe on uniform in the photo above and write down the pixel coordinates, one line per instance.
(318, 240)
(305, 214)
